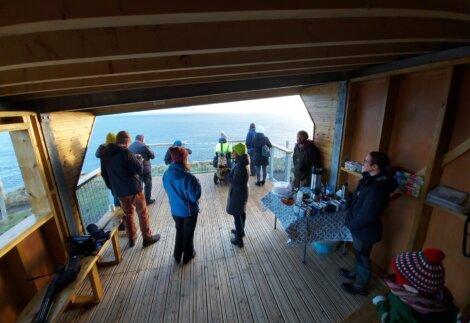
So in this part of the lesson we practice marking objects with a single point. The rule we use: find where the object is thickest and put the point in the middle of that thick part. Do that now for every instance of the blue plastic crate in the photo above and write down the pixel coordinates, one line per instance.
(324, 247)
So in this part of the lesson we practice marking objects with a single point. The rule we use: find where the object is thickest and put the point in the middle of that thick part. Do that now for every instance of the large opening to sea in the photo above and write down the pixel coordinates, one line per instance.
(199, 127)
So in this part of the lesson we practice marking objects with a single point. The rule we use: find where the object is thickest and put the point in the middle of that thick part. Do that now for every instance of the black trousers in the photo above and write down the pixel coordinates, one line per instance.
(240, 224)
(184, 242)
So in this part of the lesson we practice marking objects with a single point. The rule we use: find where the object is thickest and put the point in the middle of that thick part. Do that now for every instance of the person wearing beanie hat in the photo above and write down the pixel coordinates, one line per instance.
(249, 146)
(261, 154)
(223, 149)
(177, 143)
(183, 191)
(238, 192)
(110, 139)
(138, 147)
(417, 291)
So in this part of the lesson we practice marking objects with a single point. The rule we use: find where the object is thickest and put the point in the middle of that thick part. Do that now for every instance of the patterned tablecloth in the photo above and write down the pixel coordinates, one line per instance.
(320, 227)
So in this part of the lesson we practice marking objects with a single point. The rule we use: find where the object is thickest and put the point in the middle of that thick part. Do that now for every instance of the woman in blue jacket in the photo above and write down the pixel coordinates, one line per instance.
(238, 193)
(183, 190)
(364, 217)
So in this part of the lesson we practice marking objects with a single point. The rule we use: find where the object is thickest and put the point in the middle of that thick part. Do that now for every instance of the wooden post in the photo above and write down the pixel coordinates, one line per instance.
(338, 134)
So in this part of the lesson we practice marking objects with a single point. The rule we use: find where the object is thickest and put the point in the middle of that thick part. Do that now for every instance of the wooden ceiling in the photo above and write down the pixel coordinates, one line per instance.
(62, 55)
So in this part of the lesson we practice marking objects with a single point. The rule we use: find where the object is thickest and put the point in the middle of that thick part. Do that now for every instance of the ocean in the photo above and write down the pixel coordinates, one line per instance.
(199, 132)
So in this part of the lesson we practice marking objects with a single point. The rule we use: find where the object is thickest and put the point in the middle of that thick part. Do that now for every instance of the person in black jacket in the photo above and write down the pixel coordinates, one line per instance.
(238, 193)
(138, 147)
(364, 217)
(120, 170)
(249, 146)
(306, 155)
(261, 162)
(177, 143)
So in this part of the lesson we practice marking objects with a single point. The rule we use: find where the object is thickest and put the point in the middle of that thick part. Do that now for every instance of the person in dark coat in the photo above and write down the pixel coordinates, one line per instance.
(120, 170)
(238, 193)
(138, 147)
(184, 191)
(306, 155)
(110, 139)
(249, 146)
(177, 143)
(261, 162)
(364, 217)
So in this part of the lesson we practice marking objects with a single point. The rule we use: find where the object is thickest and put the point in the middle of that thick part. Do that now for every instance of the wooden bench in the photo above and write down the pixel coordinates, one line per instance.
(88, 269)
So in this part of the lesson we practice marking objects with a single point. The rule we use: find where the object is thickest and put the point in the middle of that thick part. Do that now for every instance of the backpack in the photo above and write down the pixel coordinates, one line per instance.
(265, 151)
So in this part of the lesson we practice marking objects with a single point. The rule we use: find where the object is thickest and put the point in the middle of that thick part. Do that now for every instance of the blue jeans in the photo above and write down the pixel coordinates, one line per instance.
(147, 182)
(362, 251)
(258, 172)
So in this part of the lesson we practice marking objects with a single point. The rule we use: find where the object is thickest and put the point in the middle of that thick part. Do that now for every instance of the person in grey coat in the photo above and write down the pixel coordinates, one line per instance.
(138, 147)
(238, 193)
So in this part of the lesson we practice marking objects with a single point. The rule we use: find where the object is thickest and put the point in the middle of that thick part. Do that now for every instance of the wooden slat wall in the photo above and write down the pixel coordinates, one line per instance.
(411, 140)
(321, 102)
(445, 230)
(72, 132)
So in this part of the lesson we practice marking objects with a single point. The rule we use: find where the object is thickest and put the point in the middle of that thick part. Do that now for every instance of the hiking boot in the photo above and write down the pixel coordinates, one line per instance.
(131, 243)
(148, 241)
(237, 242)
(262, 183)
(347, 273)
(185, 261)
(151, 201)
(354, 290)
(235, 232)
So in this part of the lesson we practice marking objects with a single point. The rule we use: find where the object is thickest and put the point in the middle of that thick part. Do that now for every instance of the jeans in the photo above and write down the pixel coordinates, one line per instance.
(129, 204)
(258, 172)
(240, 224)
(184, 241)
(362, 251)
(147, 183)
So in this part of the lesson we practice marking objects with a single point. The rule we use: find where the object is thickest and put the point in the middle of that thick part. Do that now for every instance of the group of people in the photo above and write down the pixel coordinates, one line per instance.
(417, 291)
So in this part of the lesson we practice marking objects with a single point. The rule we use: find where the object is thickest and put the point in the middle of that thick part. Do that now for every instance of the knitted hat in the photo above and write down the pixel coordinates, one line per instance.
(177, 143)
(422, 269)
(111, 138)
(240, 149)
(178, 154)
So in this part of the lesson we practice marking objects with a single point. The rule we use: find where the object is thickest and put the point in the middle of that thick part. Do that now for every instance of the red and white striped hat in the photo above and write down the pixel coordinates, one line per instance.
(422, 269)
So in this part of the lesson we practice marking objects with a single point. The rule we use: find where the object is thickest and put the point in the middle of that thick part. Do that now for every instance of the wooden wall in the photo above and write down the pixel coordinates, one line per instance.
(35, 246)
(407, 116)
(321, 103)
(71, 135)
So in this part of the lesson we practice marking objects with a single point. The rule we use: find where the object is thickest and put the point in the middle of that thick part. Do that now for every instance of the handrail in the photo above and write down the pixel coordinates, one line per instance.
(284, 149)
(88, 177)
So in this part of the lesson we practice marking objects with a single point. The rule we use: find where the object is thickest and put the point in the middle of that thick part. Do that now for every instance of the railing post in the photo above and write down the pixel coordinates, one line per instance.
(271, 165)
(287, 164)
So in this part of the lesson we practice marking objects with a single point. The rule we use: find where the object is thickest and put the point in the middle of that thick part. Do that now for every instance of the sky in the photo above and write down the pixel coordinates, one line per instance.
(276, 105)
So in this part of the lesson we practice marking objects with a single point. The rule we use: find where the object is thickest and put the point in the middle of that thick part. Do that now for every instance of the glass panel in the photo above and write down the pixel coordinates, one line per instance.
(15, 202)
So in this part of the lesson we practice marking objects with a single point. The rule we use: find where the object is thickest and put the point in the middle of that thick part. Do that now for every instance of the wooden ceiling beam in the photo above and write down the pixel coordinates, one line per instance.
(24, 16)
(105, 44)
(188, 76)
(203, 61)
(77, 102)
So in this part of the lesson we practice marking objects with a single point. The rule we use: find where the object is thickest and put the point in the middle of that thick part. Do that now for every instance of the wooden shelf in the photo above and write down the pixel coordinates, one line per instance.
(442, 208)
(351, 172)
(20, 231)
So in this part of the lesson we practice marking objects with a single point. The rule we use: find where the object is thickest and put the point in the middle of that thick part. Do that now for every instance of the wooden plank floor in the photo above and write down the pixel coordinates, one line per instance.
(265, 281)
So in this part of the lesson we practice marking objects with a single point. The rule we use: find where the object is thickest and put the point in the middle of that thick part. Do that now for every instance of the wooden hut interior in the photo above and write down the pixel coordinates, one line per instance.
(382, 75)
